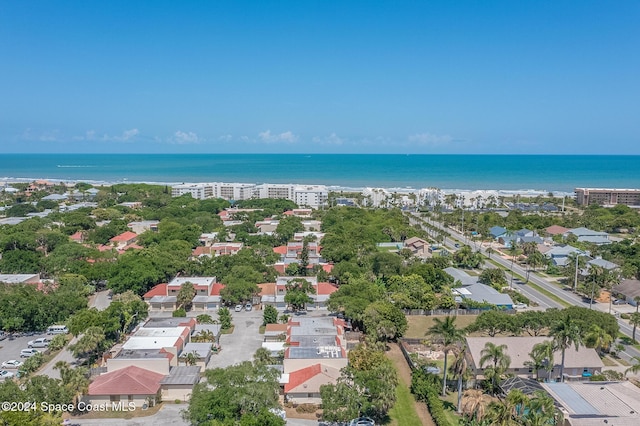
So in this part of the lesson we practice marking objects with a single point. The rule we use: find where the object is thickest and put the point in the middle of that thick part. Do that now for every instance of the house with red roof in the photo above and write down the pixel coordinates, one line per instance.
(123, 240)
(78, 237)
(315, 350)
(131, 386)
(303, 385)
(164, 297)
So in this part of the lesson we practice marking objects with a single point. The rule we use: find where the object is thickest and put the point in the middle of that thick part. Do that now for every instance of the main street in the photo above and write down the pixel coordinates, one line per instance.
(524, 288)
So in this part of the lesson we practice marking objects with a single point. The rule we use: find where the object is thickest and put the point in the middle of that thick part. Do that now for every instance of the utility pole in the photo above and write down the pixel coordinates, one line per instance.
(575, 281)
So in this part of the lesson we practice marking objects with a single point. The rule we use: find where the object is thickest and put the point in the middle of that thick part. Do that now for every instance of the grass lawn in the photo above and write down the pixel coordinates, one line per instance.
(608, 362)
(403, 412)
(450, 407)
(419, 324)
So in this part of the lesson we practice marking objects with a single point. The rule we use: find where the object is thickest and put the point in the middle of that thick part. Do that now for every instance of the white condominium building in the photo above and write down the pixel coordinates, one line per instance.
(304, 195)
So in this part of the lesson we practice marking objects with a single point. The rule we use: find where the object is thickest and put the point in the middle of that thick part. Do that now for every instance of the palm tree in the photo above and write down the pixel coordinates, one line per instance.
(190, 358)
(495, 356)
(446, 333)
(205, 336)
(635, 367)
(542, 410)
(262, 356)
(459, 368)
(475, 403)
(535, 260)
(635, 322)
(598, 339)
(542, 357)
(517, 400)
(500, 414)
(565, 333)
(74, 379)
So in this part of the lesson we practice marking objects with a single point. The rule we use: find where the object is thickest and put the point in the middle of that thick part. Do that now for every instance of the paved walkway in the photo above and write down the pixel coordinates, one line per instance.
(168, 415)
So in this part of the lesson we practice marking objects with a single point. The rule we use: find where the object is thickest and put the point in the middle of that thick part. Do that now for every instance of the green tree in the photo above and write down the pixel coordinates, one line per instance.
(270, 315)
(634, 321)
(190, 358)
(542, 357)
(90, 343)
(185, 295)
(494, 277)
(298, 291)
(448, 335)
(205, 319)
(224, 316)
(243, 393)
(598, 339)
(383, 321)
(565, 334)
(495, 357)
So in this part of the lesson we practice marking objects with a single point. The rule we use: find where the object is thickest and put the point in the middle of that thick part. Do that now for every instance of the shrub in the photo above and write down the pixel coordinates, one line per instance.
(625, 316)
(179, 313)
(426, 387)
(306, 408)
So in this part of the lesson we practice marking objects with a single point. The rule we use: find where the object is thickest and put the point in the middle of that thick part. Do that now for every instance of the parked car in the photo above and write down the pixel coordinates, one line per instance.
(28, 353)
(4, 374)
(3, 335)
(620, 302)
(12, 363)
(362, 421)
(38, 343)
(520, 306)
(238, 308)
(248, 307)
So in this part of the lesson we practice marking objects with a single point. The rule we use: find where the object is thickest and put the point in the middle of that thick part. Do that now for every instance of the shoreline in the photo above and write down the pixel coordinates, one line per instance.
(5, 181)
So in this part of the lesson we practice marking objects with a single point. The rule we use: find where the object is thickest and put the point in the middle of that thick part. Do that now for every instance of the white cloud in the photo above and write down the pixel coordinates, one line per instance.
(332, 139)
(268, 137)
(430, 139)
(184, 138)
(92, 135)
(225, 138)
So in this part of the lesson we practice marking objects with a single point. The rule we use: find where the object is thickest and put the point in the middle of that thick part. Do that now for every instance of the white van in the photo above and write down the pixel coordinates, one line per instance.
(57, 329)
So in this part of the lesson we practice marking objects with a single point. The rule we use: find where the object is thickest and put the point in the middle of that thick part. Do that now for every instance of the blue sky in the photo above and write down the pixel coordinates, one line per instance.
(486, 77)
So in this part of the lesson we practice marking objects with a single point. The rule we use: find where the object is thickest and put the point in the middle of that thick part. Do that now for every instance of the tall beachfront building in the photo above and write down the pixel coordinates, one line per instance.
(607, 197)
(313, 196)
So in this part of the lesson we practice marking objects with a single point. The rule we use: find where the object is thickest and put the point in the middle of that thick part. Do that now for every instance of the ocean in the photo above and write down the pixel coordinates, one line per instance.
(507, 172)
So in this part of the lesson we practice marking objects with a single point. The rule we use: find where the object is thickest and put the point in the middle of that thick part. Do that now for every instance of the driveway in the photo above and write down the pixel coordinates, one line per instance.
(169, 415)
(242, 343)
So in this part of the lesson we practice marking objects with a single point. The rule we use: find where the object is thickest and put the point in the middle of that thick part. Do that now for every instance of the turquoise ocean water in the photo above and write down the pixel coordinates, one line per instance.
(510, 172)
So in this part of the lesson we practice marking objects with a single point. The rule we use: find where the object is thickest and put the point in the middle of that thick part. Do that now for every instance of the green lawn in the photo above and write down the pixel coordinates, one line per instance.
(419, 324)
(403, 412)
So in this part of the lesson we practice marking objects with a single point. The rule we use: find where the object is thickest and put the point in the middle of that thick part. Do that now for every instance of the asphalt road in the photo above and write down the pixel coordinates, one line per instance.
(531, 293)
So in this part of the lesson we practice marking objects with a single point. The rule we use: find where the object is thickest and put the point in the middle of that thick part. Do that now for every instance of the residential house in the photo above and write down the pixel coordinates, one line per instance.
(497, 231)
(202, 352)
(163, 297)
(418, 246)
(130, 385)
(299, 236)
(628, 290)
(471, 289)
(555, 230)
(207, 239)
(134, 205)
(299, 212)
(587, 235)
(314, 357)
(141, 226)
(596, 403)
(560, 255)
(122, 241)
(579, 364)
(267, 226)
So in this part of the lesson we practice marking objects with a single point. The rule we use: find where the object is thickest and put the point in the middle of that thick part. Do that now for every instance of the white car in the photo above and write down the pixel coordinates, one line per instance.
(38, 343)
(520, 306)
(28, 353)
(4, 374)
(12, 363)
(238, 308)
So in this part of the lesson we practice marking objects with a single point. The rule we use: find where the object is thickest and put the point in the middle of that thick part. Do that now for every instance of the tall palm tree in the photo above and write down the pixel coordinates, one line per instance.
(542, 357)
(446, 333)
(635, 322)
(74, 379)
(564, 334)
(205, 336)
(500, 413)
(495, 356)
(542, 407)
(459, 369)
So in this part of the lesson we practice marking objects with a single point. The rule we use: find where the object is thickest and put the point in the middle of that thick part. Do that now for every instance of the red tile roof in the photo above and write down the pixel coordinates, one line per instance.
(131, 380)
(125, 236)
(556, 230)
(201, 250)
(267, 289)
(326, 288)
(328, 267)
(78, 236)
(300, 376)
(280, 249)
(279, 267)
(215, 289)
(158, 290)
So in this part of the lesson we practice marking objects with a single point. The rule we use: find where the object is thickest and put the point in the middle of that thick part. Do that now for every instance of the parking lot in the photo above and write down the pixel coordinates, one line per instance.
(242, 343)
(10, 348)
